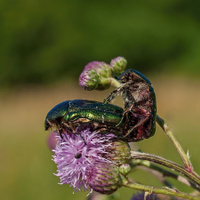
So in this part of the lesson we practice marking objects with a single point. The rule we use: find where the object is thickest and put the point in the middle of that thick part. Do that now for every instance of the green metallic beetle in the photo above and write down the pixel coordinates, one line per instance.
(72, 116)
(136, 122)
(139, 102)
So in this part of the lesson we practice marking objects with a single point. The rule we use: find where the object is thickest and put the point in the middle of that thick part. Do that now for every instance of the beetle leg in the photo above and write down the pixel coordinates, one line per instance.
(127, 100)
(82, 138)
(60, 132)
(114, 93)
(147, 114)
(124, 113)
(141, 123)
(78, 132)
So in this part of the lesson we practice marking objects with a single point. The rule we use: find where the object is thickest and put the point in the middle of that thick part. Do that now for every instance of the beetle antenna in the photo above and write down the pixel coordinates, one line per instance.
(83, 139)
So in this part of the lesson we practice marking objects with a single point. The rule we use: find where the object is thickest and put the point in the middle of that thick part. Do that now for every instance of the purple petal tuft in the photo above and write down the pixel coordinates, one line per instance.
(75, 156)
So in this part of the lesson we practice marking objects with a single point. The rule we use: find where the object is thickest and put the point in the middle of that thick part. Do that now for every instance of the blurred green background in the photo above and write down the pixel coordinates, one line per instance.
(44, 47)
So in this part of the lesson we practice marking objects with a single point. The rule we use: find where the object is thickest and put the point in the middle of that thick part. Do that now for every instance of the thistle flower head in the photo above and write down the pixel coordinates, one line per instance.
(95, 76)
(82, 161)
(104, 178)
(118, 152)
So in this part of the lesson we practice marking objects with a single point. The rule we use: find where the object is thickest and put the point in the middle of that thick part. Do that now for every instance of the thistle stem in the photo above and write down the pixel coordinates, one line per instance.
(167, 163)
(165, 191)
(169, 133)
(114, 82)
(161, 173)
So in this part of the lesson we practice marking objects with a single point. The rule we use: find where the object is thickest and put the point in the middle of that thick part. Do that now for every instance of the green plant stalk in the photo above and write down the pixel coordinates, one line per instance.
(167, 163)
(177, 145)
(163, 172)
(114, 82)
(165, 191)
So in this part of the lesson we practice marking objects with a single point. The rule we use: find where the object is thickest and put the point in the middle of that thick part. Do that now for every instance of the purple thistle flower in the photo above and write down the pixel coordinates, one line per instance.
(75, 159)
(95, 65)
(83, 161)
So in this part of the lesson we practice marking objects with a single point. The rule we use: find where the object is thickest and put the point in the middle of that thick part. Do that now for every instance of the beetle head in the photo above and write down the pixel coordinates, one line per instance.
(56, 114)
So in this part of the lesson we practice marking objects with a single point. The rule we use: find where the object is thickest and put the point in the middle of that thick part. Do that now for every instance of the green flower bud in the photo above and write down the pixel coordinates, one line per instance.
(125, 169)
(118, 64)
(95, 76)
(119, 152)
(104, 178)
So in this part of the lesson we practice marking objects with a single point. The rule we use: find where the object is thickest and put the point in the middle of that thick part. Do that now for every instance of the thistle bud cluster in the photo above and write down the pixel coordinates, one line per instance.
(97, 75)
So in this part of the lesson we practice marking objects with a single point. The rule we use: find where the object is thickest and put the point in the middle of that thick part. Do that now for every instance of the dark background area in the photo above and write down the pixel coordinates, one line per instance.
(45, 41)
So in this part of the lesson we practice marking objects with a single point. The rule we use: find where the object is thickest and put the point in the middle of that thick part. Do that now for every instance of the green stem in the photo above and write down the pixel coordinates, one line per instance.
(167, 163)
(114, 82)
(177, 145)
(162, 173)
(165, 191)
